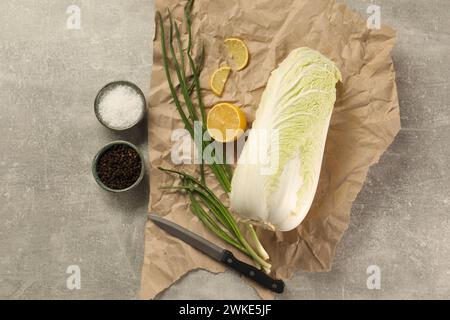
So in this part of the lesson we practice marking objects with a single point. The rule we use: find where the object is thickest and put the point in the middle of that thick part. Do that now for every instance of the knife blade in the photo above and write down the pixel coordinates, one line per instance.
(217, 253)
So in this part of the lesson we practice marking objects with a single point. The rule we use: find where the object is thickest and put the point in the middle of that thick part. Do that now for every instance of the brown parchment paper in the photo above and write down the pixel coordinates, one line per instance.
(364, 123)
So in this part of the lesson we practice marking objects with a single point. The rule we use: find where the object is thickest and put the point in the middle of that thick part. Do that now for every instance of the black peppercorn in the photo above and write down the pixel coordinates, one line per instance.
(119, 167)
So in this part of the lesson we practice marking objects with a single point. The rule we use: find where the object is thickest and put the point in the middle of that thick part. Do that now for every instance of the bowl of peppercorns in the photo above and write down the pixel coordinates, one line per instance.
(118, 167)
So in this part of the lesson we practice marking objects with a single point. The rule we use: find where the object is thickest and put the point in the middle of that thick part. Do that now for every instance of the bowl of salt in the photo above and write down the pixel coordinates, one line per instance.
(120, 105)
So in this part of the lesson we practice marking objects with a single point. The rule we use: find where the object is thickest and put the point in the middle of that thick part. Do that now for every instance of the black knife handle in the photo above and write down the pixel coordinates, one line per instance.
(252, 273)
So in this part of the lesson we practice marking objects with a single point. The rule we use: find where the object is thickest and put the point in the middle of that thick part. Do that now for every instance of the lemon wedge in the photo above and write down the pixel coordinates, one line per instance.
(219, 79)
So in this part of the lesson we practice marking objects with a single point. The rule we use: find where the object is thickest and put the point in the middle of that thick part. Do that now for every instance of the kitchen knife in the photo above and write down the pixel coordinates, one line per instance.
(218, 254)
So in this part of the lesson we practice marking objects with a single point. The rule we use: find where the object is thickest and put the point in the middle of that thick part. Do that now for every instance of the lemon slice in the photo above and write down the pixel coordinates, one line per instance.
(219, 79)
(238, 51)
(226, 122)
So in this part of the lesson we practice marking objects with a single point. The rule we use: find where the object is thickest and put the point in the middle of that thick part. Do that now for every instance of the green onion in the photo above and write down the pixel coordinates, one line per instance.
(222, 172)
(187, 124)
(203, 202)
(217, 218)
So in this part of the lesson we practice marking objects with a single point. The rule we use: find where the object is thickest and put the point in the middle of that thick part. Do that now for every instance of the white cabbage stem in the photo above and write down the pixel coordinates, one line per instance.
(259, 247)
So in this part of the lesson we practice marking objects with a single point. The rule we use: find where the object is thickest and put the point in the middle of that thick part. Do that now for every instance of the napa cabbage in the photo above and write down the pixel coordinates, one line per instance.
(278, 170)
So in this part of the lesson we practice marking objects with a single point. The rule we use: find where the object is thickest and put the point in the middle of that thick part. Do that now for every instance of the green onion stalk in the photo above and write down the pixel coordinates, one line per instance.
(204, 204)
(216, 217)
(221, 171)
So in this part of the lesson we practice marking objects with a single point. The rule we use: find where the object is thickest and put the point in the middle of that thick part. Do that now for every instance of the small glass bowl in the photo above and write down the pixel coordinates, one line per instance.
(108, 88)
(106, 148)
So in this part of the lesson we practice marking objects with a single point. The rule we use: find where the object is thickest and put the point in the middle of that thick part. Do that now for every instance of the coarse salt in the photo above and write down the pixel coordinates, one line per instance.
(121, 107)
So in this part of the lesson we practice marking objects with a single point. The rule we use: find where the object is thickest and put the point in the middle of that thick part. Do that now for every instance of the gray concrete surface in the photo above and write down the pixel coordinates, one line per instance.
(52, 215)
